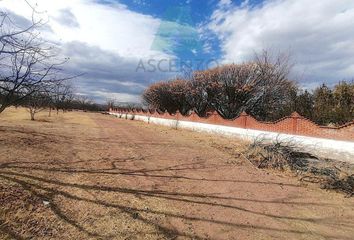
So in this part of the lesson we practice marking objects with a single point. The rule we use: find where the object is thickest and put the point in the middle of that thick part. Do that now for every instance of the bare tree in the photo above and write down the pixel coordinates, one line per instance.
(110, 103)
(37, 102)
(168, 96)
(83, 101)
(27, 62)
(61, 94)
(201, 92)
(260, 87)
(274, 88)
(231, 88)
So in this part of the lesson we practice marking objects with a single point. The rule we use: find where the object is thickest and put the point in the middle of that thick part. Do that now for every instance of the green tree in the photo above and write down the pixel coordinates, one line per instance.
(344, 102)
(305, 104)
(324, 105)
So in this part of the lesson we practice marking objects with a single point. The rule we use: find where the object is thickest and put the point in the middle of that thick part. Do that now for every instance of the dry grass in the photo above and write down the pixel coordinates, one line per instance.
(91, 176)
(19, 114)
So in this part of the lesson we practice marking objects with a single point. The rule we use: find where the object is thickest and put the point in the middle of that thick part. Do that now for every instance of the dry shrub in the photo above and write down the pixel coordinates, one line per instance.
(345, 184)
(286, 156)
(170, 96)
(278, 155)
(332, 177)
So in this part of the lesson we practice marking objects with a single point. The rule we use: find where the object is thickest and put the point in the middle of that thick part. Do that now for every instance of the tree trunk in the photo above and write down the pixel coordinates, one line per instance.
(32, 112)
(3, 107)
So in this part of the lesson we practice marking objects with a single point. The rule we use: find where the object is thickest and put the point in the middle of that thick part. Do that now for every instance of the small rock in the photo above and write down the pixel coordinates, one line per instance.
(46, 203)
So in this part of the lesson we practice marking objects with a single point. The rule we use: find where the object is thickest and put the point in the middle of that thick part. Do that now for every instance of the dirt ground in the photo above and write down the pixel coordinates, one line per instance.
(92, 176)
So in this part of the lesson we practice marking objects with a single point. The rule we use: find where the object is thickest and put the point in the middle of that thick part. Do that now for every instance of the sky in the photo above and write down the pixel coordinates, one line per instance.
(122, 46)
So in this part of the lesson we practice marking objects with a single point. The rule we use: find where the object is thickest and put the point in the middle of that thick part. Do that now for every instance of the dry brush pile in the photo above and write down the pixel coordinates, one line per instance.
(283, 156)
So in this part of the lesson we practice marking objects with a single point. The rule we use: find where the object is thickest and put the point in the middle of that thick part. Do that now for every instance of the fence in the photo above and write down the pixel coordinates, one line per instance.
(294, 124)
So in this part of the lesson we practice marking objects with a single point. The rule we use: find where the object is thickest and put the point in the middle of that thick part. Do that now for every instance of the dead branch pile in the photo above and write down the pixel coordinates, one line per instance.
(286, 156)
(278, 155)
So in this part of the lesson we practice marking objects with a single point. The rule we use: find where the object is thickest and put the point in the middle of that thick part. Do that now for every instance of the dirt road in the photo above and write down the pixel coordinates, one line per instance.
(91, 176)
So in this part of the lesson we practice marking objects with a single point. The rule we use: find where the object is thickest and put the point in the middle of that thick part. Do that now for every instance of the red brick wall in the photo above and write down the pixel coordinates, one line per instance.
(293, 124)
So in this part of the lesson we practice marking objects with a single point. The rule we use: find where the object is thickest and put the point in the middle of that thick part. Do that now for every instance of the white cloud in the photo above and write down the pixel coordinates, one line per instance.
(109, 26)
(319, 34)
(121, 97)
(225, 2)
(105, 41)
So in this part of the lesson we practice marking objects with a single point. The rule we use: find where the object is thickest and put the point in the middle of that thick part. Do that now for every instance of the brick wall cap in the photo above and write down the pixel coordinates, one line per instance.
(296, 115)
(339, 127)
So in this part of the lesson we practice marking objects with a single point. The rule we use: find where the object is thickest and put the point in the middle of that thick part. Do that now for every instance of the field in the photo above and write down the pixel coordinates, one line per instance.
(91, 176)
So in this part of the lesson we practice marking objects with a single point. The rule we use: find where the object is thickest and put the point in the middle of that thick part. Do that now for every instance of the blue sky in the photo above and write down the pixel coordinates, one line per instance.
(193, 13)
(122, 46)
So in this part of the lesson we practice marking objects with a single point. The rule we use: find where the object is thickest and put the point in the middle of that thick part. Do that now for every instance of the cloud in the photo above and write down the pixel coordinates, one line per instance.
(103, 39)
(319, 34)
(107, 74)
(109, 25)
(224, 3)
(66, 17)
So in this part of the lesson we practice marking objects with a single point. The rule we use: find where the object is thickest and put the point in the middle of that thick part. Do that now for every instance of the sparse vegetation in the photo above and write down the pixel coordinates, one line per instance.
(280, 155)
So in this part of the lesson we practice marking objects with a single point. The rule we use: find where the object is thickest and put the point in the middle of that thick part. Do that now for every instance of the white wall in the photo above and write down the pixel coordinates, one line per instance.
(327, 148)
